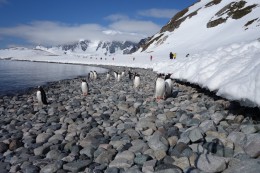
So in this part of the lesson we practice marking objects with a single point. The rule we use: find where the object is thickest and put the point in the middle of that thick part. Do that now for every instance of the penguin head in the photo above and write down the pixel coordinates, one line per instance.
(168, 76)
(83, 80)
(39, 88)
(136, 75)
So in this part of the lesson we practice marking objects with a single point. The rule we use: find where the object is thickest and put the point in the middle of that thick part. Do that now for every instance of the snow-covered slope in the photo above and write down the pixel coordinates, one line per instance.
(208, 25)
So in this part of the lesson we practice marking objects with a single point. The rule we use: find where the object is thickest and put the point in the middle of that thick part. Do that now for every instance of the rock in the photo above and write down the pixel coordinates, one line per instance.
(208, 125)
(128, 155)
(106, 156)
(52, 168)
(14, 144)
(121, 163)
(178, 149)
(42, 137)
(158, 142)
(76, 166)
(182, 162)
(3, 147)
(238, 138)
(210, 163)
(252, 145)
(159, 154)
(149, 166)
(196, 135)
(248, 166)
(217, 117)
(248, 129)
(31, 169)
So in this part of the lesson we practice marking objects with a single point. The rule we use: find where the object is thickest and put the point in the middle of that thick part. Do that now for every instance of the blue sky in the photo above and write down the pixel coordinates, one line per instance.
(54, 22)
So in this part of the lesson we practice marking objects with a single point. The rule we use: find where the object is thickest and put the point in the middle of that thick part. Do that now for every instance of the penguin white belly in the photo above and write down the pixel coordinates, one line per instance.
(168, 87)
(95, 76)
(115, 75)
(160, 88)
(108, 76)
(118, 77)
(84, 88)
(39, 97)
(136, 82)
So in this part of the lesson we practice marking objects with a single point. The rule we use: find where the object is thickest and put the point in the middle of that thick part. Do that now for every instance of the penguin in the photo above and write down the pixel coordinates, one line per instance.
(95, 75)
(136, 80)
(115, 75)
(119, 77)
(41, 96)
(108, 76)
(130, 75)
(84, 87)
(160, 87)
(123, 73)
(90, 75)
(168, 85)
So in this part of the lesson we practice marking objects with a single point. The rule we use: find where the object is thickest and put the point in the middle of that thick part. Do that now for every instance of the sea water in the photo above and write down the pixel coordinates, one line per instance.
(18, 76)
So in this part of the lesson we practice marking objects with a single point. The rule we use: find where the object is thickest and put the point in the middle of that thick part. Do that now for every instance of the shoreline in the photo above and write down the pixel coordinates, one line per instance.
(118, 128)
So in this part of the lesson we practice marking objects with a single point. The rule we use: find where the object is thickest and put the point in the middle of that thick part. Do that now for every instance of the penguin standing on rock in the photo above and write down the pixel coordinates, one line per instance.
(115, 75)
(119, 77)
(95, 75)
(136, 80)
(130, 75)
(168, 85)
(90, 75)
(123, 73)
(41, 96)
(160, 87)
(84, 87)
(108, 76)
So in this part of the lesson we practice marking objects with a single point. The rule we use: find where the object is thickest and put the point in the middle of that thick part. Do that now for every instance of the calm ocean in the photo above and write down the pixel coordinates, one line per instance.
(18, 76)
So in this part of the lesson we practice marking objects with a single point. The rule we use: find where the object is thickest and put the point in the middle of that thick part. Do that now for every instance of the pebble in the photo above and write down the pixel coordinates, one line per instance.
(118, 128)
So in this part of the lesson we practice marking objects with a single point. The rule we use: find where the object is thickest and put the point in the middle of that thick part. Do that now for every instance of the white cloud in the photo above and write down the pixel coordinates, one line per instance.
(146, 28)
(159, 13)
(116, 17)
(55, 33)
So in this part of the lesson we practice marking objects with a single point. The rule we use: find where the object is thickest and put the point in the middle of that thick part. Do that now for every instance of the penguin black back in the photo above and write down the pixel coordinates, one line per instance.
(43, 95)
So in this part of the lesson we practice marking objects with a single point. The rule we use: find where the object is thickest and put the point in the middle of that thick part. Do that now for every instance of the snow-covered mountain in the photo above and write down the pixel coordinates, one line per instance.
(89, 47)
(207, 25)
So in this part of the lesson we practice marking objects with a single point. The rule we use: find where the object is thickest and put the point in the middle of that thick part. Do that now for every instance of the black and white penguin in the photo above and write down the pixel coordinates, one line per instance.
(123, 73)
(168, 85)
(84, 87)
(130, 75)
(115, 75)
(95, 75)
(108, 76)
(160, 87)
(90, 75)
(136, 80)
(119, 77)
(41, 96)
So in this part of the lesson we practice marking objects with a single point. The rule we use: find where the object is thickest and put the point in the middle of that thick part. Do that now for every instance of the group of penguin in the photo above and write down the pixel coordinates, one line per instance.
(118, 76)
(163, 84)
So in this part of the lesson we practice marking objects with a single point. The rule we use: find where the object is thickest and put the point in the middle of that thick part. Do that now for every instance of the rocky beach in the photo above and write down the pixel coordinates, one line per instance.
(117, 128)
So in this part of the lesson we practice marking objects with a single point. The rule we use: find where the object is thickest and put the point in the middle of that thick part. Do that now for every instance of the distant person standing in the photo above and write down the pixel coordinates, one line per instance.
(171, 55)
(133, 58)
(151, 58)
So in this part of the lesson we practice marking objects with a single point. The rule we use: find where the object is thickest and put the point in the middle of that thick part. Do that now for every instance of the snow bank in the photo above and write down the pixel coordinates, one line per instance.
(233, 71)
